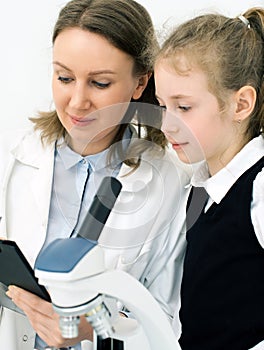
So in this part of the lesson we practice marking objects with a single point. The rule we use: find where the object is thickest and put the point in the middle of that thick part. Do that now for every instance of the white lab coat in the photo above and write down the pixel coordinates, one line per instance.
(144, 234)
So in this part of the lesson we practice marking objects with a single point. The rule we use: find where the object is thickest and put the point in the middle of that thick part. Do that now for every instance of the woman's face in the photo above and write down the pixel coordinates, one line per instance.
(93, 83)
(193, 122)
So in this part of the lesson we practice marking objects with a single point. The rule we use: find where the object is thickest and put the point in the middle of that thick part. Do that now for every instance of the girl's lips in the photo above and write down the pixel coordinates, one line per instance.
(174, 143)
(178, 145)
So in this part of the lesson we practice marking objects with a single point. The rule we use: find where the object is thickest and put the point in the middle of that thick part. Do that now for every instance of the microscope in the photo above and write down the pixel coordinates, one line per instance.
(74, 273)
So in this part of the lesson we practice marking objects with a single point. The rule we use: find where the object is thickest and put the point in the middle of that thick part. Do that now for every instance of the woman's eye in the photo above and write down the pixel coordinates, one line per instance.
(184, 108)
(65, 80)
(100, 85)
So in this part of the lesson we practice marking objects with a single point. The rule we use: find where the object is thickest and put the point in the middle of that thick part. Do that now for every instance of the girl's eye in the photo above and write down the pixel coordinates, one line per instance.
(65, 80)
(163, 110)
(100, 85)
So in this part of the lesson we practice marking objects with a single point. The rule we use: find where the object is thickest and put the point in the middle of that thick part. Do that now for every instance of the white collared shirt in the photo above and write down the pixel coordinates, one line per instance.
(218, 185)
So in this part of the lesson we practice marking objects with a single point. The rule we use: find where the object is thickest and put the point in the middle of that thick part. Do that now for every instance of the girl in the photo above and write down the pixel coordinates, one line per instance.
(210, 80)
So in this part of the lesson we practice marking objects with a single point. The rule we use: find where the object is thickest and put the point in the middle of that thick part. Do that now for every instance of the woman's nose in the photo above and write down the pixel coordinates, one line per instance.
(80, 97)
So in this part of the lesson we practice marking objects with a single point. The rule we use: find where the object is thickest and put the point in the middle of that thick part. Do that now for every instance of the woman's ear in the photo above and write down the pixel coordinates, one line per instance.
(142, 83)
(245, 102)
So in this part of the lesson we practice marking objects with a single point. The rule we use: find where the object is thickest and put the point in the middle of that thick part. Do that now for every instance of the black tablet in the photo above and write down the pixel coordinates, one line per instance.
(16, 270)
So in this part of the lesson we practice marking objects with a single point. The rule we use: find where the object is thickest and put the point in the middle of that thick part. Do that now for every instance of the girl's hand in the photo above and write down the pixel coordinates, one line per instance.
(44, 320)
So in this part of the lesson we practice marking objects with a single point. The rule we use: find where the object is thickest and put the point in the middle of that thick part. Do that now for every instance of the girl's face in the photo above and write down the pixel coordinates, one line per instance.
(93, 83)
(192, 121)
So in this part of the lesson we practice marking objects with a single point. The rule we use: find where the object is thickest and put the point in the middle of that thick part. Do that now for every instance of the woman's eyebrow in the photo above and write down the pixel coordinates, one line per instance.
(96, 72)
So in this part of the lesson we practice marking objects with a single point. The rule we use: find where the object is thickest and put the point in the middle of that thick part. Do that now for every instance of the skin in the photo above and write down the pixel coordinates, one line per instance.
(193, 123)
(44, 320)
(92, 84)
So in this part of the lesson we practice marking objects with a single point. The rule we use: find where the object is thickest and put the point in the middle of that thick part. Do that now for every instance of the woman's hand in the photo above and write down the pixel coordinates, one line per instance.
(44, 320)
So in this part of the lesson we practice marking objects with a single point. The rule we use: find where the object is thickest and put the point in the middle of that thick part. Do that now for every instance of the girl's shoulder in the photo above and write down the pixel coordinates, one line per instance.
(258, 186)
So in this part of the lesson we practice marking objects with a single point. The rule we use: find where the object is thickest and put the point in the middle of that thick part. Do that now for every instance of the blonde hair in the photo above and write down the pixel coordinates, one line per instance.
(230, 51)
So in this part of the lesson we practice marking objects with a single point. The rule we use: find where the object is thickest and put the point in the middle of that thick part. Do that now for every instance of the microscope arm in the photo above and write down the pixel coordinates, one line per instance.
(133, 294)
(80, 283)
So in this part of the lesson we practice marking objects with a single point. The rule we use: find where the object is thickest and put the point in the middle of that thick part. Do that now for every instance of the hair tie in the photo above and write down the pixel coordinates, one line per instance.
(244, 20)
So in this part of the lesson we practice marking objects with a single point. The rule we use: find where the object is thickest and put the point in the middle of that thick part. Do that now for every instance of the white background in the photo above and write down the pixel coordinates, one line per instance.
(25, 39)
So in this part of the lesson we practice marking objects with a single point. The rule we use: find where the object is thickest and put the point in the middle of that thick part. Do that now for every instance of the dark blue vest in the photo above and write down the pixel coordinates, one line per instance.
(222, 293)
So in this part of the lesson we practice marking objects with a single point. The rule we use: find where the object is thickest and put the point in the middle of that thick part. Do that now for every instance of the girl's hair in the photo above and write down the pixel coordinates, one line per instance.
(128, 26)
(230, 51)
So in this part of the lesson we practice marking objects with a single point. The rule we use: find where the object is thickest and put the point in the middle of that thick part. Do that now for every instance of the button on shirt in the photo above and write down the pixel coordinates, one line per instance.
(75, 182)
(71, 195)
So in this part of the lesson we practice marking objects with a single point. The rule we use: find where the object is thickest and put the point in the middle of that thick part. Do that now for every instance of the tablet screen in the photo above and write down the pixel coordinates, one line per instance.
(16, 270)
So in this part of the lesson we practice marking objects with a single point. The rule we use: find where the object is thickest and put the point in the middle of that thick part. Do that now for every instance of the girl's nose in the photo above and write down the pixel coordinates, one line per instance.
(168, 122)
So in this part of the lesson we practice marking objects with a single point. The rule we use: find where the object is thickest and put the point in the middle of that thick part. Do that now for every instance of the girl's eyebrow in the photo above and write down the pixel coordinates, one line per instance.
(174, 97)
(97, 72)
(177, 97)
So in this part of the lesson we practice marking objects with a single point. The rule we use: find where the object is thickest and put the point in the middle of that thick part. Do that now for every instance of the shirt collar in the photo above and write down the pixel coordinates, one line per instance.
(97, 161)
(218, 185)
(68, 156)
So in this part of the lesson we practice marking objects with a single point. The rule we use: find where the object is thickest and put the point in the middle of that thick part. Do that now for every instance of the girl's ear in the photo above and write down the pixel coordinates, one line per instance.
(142, 83)
(245, 102)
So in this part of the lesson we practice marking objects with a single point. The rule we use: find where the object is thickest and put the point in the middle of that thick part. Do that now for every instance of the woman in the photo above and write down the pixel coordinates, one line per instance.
(102, 61)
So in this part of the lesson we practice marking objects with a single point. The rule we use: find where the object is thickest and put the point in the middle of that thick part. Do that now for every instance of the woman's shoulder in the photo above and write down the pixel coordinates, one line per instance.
(11, 137)
(166, 165)
(168, 159)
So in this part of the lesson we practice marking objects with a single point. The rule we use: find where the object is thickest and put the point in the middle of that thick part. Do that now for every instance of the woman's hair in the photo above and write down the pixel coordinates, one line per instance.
(128, 26)
(230, 51)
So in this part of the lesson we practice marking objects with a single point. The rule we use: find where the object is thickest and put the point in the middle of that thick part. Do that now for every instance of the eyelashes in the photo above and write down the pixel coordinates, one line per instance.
(64, 80)
(98, 84)
(182, 108)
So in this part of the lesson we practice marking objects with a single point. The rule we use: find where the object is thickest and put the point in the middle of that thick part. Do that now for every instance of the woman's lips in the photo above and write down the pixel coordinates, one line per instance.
(79, 121)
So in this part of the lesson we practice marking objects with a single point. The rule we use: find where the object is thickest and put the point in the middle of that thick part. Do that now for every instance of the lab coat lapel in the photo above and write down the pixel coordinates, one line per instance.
(3, 229)
(32, 153)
